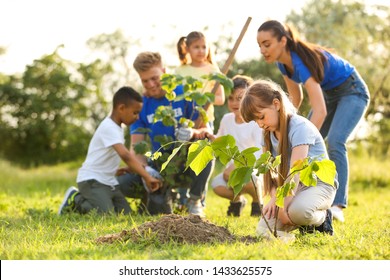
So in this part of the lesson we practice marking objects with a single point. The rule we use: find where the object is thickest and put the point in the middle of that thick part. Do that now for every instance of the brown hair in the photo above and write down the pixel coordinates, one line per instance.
(146, 60)
(241, 81)
(260, 95)
(311, 54)
(185, 42)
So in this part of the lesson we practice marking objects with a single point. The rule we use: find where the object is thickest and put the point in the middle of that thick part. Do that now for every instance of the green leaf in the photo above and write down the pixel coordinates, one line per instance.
(190, 80)
(191, 123)
(262, 163)
(223, 142)
(299, 165)
(307, 176)
(200, 154)
(174, 152)
(225, 148)
(187, 88)
(200, 98)
(263, 159)
(246, 157)
(169, 82)
(239, 178)
(156, 155)
(277, 161)
(282, 192)
(210, 96)
(166, 115)
(326, 171)
(250, 151)
(170, 95)
(203, 114)
(141, 147)
(222, 79)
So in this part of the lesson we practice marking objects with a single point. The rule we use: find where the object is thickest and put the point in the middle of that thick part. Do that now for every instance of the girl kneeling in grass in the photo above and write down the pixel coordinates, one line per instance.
(293, 137)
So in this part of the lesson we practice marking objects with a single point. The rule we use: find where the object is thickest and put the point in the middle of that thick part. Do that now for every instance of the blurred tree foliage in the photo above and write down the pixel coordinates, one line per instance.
(49, 113)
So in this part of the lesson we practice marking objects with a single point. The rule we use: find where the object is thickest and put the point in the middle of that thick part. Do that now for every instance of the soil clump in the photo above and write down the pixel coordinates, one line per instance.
(189, 229)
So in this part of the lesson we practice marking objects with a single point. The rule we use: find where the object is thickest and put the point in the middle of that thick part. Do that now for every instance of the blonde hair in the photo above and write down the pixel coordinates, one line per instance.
(186, 41)
(146, 60)
(260, 95)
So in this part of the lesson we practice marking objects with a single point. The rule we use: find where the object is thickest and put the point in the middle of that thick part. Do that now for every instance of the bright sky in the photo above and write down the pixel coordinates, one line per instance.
(33, 28)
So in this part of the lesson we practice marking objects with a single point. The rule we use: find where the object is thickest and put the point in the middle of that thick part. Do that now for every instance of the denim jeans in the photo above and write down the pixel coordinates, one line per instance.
(346, 105)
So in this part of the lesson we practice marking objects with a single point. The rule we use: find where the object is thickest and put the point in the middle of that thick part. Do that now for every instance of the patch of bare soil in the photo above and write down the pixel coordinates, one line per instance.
(189, 229)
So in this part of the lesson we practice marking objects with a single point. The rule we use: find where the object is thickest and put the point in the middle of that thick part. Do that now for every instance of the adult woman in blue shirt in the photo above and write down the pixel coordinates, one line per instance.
(337, 93)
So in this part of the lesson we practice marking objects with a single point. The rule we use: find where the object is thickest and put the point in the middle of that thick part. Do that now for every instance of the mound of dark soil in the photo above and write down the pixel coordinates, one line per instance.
(181, 229)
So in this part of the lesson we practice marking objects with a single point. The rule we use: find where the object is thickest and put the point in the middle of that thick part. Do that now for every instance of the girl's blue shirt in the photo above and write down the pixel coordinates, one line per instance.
(336, 70)
(302, 132)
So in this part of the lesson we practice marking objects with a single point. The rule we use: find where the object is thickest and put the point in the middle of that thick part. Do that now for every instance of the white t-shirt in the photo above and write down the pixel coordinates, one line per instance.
(102, 160)
(246, 134)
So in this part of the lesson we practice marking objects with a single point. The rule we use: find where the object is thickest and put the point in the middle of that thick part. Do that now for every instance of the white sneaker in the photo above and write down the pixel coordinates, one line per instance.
(337, 213)
(195, 207)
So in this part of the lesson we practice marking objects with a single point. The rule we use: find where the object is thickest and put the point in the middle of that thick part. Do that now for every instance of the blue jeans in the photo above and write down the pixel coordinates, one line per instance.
(346, 105)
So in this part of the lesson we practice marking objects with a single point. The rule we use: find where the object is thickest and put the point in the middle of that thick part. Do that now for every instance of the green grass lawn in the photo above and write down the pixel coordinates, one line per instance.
(30, 228)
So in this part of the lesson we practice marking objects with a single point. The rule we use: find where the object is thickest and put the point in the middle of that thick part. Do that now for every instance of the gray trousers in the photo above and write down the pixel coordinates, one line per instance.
(308, 207)
(103, 198)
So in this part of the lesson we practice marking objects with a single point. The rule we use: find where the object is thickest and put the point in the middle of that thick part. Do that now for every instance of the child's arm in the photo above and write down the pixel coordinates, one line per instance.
(219, 98)
(137, 167)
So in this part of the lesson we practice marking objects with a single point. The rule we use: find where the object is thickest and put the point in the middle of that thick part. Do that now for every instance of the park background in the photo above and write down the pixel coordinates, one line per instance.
(60, 63)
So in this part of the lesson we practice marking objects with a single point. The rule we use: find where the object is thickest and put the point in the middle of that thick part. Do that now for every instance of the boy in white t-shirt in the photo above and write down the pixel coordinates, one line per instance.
(246, 135)
(98, 187)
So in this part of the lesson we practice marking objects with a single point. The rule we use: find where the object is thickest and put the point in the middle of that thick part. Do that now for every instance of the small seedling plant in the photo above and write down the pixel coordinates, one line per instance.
(224, 148)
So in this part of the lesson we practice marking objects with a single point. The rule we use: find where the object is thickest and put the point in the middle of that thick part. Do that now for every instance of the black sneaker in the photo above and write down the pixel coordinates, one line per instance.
(256, 209)
(68, 204)
(306, 229)
(235, 208)
(326, 226)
